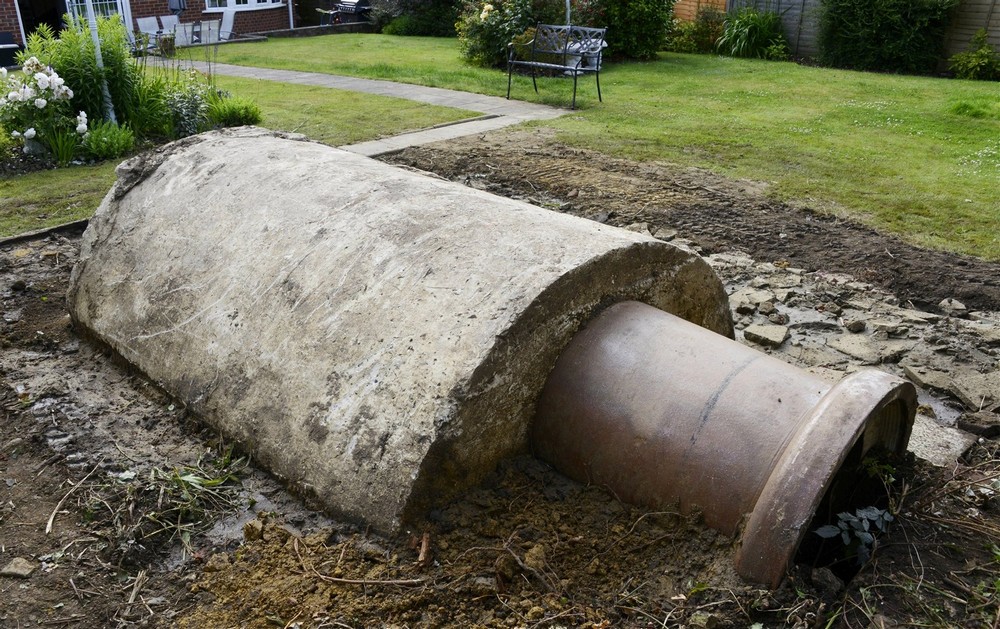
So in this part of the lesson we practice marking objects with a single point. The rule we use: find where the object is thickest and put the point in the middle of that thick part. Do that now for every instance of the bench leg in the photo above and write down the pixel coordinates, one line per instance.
(574, 90)
(510, 69)
(533, 82)
(598, 75)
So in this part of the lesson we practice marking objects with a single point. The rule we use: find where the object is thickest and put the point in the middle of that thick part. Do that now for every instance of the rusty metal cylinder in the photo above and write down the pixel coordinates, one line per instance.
(664, 412)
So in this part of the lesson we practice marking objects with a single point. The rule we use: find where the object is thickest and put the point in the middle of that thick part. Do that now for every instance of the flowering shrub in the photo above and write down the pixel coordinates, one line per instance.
(485, 30)
(35, 109)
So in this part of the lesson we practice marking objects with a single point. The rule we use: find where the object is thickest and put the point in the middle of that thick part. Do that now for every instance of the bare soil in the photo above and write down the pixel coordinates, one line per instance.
(137, 540)
(716, 213)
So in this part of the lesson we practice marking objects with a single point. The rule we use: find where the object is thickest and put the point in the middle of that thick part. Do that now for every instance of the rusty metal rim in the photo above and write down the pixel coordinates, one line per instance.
(811, 460)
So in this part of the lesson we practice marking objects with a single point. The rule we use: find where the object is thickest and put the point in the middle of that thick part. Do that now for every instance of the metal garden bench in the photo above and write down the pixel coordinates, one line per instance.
(572, 50)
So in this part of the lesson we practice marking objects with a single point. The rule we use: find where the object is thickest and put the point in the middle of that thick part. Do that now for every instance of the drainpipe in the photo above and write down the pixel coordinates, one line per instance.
(291, 16)
(109, 108)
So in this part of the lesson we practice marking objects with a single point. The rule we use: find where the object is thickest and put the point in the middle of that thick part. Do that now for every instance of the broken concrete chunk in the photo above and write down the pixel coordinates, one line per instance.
(925, 377)
(978, 391)
(953, 308)
(937, 444)
(767, 335)
(19, 568)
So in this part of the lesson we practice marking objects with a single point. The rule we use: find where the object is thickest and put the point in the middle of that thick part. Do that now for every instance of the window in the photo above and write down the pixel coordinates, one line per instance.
(240, 4)
(101, 7)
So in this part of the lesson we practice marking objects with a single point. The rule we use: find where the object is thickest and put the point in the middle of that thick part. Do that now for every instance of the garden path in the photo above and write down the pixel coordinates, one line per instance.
(497, 112)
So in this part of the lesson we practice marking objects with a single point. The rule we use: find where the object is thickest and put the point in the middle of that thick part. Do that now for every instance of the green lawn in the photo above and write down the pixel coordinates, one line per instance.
(335, 117)
(916, 156)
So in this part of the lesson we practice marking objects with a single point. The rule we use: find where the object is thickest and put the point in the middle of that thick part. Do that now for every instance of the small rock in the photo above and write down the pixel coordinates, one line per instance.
(855, 326)
(12, 316)
(639, 228)
(18, 285)
(535, 557)
(767, 308)
(536, 613)
(703, 620)
(778, 318)
(978, 391)
(826, 581)
(664, 234)
(831, 307)
(253, 530)
(768, 335)
(217, 562)
(953, 308)
(18, 567)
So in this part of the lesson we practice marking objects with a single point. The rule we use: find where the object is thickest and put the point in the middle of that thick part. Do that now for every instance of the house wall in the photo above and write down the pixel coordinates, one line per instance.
(255, 21)
(8, 19)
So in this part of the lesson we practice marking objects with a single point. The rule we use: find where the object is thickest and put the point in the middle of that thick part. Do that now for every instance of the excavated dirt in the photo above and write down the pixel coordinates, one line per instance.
(716, 213)
(155, 521)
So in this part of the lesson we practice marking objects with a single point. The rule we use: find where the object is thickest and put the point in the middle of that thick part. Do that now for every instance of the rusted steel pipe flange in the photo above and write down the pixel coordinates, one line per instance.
(662, 411)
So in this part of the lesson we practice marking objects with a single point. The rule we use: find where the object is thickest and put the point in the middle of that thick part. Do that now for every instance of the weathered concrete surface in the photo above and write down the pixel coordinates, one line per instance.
(376, 336)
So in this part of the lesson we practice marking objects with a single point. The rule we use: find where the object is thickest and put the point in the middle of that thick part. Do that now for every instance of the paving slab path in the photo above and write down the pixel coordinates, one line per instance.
(497, 112)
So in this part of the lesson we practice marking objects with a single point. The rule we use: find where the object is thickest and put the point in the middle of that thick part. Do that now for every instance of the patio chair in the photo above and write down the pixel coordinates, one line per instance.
(150, 31)
(8, 49)
(226, 30)
(169, 23)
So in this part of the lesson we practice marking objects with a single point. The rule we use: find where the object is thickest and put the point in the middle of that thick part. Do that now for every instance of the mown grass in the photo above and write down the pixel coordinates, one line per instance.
(916, 156)
(47, 198)
(52, 197)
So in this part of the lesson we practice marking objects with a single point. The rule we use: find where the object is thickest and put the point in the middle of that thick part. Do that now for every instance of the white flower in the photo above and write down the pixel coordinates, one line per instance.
(41, 103)
(15, 134)
(3, 73)
(14, 97)
(81, 128)
(56, 81)
(42, 80)
(81, 117)
(30, 133)
(33, 65)
(27, 93)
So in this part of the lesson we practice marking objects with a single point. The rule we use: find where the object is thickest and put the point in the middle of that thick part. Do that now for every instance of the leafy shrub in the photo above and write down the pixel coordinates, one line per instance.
(152, 117)
(886, 35)
(700, 35)
(106, 140)
(485, 30)
(979, 63)
(187, 101)
(637, 29)
(749, 32)
(434, 18)
(232, 111)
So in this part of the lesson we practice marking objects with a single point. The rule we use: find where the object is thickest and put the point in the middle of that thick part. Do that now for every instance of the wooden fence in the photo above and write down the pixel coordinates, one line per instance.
(971, 16)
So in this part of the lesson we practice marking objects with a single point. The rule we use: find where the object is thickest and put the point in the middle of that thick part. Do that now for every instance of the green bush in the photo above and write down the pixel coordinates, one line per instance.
(637, 29)
(885, 35)
(749, 32)
(433, 18)
(106, 140)
(232, 111)
(979, 63)
(187, 102)
(700, 35)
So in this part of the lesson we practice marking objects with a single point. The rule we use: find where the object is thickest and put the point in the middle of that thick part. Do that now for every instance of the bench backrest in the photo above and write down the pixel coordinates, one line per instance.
(567, 40)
